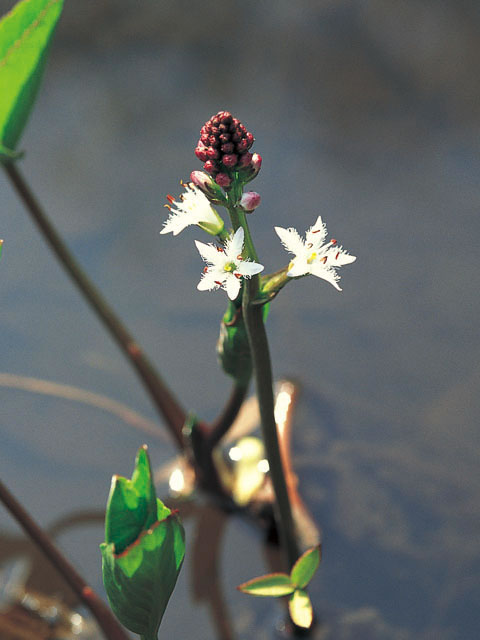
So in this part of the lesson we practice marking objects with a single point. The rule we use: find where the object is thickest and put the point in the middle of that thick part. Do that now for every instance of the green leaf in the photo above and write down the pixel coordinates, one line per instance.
(272, 584)
(140, 581)
(143, 550)
(300, 609)
(1, 247)
(25, 36)
(132, 504)
(305, 567)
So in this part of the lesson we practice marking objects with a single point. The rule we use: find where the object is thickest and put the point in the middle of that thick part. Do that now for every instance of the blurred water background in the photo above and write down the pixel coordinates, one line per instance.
(364, 112)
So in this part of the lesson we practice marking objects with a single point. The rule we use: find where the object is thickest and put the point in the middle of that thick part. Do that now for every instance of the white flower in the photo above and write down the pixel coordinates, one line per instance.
(311, 255)
(225, 266)
(193, 207)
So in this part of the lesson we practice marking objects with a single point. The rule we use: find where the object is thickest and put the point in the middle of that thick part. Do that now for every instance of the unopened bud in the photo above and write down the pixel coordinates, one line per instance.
(208, 186)
(251, 170)
(223, 179)
(250, 201)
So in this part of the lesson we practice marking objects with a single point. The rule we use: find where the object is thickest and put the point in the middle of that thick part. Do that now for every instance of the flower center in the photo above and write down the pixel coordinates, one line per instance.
(230, 266)
(312, 257)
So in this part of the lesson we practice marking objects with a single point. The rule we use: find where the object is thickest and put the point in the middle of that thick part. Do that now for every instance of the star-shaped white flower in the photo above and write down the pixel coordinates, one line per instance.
(225, 266)
(312, 255)
(193, 207)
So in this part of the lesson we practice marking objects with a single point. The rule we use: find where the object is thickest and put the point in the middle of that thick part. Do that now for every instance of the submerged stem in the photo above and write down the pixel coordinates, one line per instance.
(106, 620)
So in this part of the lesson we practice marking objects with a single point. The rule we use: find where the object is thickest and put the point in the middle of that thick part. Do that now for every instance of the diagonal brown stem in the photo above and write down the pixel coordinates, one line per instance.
(161, 396)
(106, 621)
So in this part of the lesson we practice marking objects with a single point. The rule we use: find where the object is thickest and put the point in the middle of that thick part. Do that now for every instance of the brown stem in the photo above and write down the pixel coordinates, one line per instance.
(224, 421)
(162, 397)
(106, 621)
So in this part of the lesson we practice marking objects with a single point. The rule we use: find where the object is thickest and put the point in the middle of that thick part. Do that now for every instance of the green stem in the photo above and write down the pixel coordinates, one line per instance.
(257, 338)
(162, 397)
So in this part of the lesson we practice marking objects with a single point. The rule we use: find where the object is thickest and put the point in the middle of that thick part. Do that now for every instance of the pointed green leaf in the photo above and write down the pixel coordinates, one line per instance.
(140, 580)
(132, 504)
(305, 567)
(272, 584)
(25, 36)
(300, 609)
(143, 550)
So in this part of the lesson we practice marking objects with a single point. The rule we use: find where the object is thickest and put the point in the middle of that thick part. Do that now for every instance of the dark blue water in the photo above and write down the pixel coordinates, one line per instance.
(365, 113)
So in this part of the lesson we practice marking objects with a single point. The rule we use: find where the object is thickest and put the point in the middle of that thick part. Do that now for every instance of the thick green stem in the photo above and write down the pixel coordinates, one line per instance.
(257, 338)
(162, 397)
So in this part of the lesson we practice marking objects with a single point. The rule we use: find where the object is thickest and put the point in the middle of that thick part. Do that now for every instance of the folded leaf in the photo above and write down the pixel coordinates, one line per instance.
(143, 551)
(25, 36)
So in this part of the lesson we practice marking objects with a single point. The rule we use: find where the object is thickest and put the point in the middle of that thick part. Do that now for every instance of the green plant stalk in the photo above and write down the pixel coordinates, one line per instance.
(162, 397)
(112, 629)
(257, 337)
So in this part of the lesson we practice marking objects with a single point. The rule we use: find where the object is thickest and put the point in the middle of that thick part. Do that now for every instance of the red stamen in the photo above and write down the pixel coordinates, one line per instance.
(239, 257)
(309, 245)
(237, 275)
(170, 198)
(205, 269)
(218, 282)
(333, 241)
(220, 249)
(317, 230)
(336, 257)
(324, 259)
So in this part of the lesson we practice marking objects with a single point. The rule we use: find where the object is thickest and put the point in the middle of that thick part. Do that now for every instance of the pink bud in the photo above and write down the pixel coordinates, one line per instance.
(223, 180)
(256, 161)
(201, 180)
(212, 153)
(250, 201)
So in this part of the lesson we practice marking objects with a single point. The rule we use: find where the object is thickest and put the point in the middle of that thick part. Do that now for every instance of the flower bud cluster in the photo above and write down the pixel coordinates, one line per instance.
(224, 146)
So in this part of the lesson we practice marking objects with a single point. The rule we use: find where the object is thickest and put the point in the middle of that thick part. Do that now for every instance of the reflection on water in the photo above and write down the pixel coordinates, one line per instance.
(363, 112)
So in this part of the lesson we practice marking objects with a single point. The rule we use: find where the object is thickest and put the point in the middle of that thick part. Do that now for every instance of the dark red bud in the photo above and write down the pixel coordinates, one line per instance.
(223, 180)
(250, 139)
(224, 137)
(212, 153)
(230, 159)
(245, 159)
(227, 147)
(210, 166)
(236, 137)
(242, 146)
(201, 153)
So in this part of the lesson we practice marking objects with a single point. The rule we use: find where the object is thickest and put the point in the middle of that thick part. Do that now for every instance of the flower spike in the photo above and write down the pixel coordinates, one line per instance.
(225, 266)
(312, 256)
(192, 207)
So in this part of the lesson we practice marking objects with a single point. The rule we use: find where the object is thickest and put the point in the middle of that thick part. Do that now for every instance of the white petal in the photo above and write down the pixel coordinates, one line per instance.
(232, 285)
(341, 257)
(330, 275)
(249, 269)
(291, 240)
(209, 252)
(234, 245)
(299, 267)
(176, 222)
(317, 233)
(209, 281)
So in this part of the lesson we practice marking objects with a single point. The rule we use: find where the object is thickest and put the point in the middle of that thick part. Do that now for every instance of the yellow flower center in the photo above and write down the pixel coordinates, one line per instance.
(312, 257)
(230, 266)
